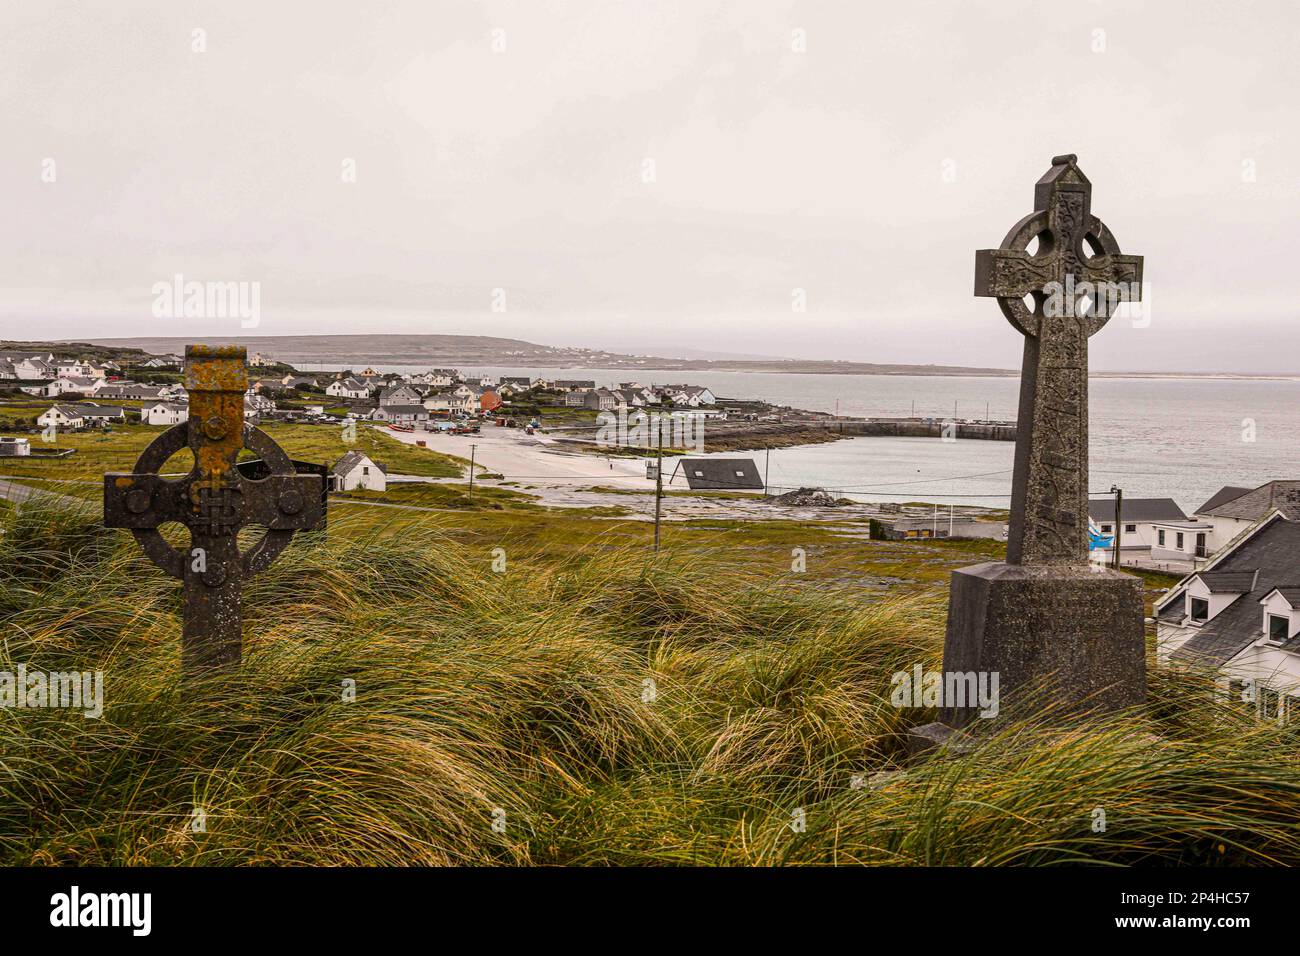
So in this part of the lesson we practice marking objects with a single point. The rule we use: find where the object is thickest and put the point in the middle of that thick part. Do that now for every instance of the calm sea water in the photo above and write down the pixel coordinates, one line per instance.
(1178, 438)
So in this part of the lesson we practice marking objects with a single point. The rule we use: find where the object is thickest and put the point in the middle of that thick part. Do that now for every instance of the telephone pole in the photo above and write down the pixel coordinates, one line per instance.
(1118, 492)
(767, 468)
(471, 469)
(659, 475)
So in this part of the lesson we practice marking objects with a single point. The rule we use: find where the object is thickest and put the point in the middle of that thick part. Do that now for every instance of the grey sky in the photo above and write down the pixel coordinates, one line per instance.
(775, 170)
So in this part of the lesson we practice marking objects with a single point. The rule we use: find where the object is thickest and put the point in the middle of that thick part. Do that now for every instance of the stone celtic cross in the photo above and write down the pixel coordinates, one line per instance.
(214, 501)
(1074, 278)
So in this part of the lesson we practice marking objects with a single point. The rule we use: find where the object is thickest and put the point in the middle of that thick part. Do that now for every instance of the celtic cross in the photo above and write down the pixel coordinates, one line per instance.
(1072, 280)
(214, 501)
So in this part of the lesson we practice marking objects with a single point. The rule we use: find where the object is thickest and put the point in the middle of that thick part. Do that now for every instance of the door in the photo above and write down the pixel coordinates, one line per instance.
(1200, 544)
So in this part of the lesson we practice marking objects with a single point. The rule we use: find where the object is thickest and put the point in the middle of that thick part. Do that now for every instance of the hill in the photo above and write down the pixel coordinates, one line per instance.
(486, 350)
(592, 705)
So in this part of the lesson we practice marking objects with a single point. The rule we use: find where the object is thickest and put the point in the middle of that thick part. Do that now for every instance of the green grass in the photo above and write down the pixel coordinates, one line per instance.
(97, 453)
(525, 691)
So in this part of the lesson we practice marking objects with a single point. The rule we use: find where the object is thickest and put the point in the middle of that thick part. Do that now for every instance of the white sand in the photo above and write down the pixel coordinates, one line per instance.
(531, 459)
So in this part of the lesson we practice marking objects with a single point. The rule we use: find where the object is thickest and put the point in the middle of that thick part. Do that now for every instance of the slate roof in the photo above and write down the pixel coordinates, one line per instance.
(1136, 509)
(1291, 594)
(1275, 551)
(1253, 505)
(717, 473)
(1221, 497)
(351, 459)
(1229, 582)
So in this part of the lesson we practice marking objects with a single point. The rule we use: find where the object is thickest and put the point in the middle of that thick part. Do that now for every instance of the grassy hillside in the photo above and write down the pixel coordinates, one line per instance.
(525, 692)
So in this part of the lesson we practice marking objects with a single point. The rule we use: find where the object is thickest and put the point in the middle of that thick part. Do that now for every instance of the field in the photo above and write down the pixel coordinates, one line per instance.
(483, 681)
(79, 475)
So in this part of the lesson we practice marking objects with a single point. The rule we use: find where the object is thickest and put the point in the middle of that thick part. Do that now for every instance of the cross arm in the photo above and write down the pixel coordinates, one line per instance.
(284, 502)
(1119, 269)
(278, 502)
(1011, 274)
(144, 500)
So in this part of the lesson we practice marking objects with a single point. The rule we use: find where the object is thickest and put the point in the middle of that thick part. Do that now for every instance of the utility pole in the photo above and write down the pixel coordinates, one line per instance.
(934, 523)
(767, 468)
(659, 475)
(471, 469)
(1118, 492)
(950, 521)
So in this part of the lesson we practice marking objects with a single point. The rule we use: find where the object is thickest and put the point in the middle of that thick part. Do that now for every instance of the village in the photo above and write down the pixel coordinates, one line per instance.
(1231, 594)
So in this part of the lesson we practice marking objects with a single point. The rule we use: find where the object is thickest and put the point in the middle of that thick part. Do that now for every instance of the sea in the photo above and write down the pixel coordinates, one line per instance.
(1154, 437)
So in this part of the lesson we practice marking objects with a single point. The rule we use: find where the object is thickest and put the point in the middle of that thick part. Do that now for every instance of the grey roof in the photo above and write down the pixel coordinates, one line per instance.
(718, 473)
(351, 459)
(1253, 505)
(1136, 509)
(1221, 497)
(1230, 582)
(1291, 593)
(80, 411)
(402, 409)
(1274, 549)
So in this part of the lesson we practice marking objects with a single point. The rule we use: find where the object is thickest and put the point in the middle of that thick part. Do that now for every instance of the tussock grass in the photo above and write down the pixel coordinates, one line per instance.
(619, 709)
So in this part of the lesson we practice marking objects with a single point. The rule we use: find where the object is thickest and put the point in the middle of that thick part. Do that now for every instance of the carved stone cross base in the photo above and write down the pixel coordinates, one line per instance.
(1073, 633)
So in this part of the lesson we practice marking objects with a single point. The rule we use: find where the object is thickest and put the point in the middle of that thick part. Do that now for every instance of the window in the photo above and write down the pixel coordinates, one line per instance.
(365, 469)
(1200, 609)
(1279, 628)
(740, 474)
(1160, 537)
(1130, 529)
(1105, 529)
(1270, 703)
(1178, 540)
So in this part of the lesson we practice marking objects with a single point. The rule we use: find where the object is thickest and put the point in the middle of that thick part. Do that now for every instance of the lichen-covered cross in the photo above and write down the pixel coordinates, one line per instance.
(214, 501)
(1075, 277)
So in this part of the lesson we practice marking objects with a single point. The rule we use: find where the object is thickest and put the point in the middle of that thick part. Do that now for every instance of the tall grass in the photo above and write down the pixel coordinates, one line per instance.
(606, 709)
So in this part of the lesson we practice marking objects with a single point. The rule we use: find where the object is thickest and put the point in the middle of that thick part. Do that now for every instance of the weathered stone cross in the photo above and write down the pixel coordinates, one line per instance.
(213, 501)
(1075, 277)
(1055, 631)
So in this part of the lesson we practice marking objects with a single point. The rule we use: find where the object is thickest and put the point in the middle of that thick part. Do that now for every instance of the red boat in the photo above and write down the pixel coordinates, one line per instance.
(401, 428)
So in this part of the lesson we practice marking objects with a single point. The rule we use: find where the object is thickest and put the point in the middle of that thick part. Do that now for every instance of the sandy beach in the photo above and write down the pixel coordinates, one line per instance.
(558, 478)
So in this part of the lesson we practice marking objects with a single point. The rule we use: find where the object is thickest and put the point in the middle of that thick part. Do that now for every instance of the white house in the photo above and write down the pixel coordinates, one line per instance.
(165, 413)
(32, 369)
(399, 395)
(445, 402)
(1240, 616)
(401, 414)
(72, 383)
(348, 388)
(691, 395)
(356, 470)
(79, 416)
(1154, 533)
(1232, 510)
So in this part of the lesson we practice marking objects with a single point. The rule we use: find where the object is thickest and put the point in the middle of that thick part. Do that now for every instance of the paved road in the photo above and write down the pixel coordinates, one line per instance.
(12, 491)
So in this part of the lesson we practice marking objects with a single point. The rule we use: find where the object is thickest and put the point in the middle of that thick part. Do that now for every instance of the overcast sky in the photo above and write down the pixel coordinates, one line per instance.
(865, 170)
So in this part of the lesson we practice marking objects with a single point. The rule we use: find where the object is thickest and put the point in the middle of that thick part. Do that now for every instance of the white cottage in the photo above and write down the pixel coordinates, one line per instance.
(356, 470)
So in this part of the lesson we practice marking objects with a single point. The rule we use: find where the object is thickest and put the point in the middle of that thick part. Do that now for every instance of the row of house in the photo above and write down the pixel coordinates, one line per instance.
(1156, 533)
(45, 366)
(1238, 611)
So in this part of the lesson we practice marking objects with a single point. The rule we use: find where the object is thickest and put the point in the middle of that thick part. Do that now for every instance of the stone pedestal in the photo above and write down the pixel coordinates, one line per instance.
(1074, 629)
